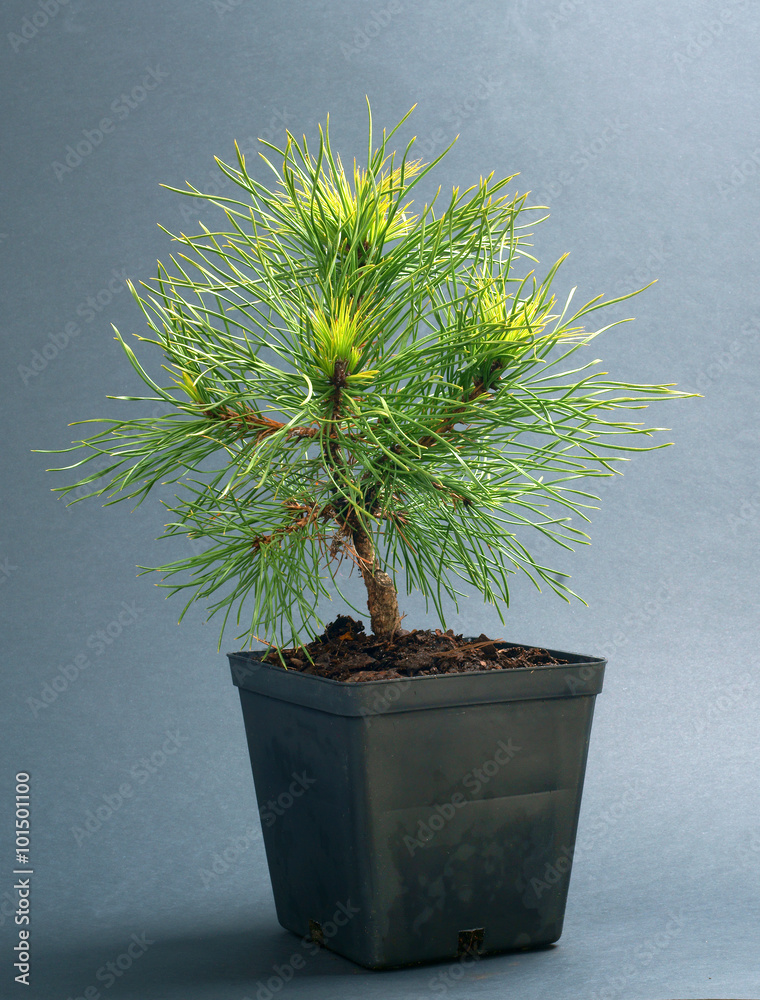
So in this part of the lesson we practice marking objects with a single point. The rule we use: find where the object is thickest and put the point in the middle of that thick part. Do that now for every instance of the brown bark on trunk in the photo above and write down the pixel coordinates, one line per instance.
(382, 599)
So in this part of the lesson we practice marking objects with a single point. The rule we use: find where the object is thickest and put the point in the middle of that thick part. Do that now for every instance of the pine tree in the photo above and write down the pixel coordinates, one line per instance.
(355, 381)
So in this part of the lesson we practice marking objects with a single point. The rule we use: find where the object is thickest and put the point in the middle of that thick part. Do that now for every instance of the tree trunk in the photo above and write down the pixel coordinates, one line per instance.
(382, 599)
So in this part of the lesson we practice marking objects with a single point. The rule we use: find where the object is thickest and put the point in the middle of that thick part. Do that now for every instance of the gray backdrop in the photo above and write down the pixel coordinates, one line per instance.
(638, 125)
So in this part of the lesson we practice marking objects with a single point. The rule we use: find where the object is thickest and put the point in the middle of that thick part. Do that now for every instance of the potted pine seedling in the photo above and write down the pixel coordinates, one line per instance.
(356, 385)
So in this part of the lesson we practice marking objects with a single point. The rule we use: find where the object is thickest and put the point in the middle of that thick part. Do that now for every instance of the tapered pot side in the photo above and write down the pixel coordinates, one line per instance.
(424, 818)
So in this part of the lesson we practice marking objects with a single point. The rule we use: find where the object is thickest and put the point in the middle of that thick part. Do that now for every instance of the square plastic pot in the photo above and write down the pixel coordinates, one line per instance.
(421, 819)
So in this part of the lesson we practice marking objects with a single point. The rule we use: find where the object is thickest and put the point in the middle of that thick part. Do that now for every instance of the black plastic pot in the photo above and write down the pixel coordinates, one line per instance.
(421, 819)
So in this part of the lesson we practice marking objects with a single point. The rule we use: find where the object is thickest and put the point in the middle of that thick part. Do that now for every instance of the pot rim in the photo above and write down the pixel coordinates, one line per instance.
(582, 676)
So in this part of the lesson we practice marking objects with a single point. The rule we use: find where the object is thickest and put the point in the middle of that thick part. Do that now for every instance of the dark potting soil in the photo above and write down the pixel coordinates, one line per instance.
(344, 652)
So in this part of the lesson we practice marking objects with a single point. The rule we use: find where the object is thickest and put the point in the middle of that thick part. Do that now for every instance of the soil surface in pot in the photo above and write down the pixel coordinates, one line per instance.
(344, 652)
